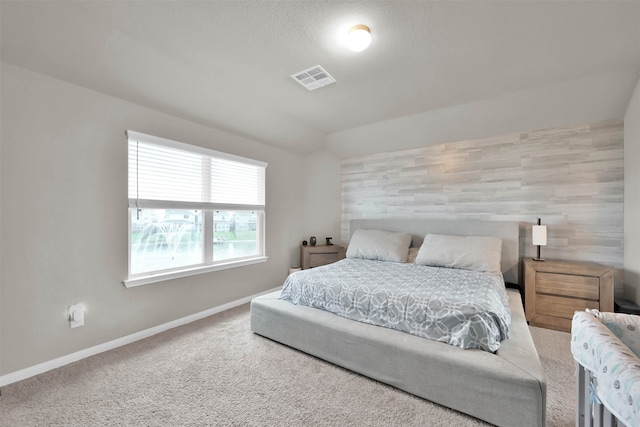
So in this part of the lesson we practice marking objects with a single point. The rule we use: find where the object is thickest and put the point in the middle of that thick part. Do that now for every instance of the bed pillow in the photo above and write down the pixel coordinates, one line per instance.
(479, 253)
(379, 245)
(413, 253)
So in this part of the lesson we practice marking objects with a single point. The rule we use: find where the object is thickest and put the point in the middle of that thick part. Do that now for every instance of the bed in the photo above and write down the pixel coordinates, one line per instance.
(504, 387)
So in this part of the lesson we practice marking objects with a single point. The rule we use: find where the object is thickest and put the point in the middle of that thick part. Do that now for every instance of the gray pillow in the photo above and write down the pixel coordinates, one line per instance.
(479, 253)
(379, 245)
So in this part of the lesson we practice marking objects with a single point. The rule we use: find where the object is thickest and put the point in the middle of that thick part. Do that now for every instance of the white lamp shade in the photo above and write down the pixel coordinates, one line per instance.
(539, 235)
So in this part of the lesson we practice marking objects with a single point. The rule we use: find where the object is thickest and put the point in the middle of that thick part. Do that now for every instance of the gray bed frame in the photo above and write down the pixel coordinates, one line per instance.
(506, 388)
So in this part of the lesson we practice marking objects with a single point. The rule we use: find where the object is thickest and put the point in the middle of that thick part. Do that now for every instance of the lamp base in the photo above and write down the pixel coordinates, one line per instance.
(539, 257)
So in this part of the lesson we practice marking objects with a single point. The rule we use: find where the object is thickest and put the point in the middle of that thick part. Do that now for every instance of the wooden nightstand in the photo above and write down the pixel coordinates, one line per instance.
(554, 290)
(315, 256)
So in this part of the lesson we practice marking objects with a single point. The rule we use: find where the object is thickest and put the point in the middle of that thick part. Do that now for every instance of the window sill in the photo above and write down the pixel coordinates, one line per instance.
(160, 277)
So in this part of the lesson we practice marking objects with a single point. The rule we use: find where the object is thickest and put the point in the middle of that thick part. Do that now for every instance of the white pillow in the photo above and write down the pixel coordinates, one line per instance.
(379, 245)
(480, 253)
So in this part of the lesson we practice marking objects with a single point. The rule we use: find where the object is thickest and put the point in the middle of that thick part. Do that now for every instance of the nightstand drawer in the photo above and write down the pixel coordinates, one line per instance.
(586, 287)
(318, 259)
(557, 306)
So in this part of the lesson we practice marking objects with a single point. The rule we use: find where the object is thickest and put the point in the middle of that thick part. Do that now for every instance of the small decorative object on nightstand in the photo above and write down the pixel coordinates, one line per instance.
(554, 290)
(315, 256)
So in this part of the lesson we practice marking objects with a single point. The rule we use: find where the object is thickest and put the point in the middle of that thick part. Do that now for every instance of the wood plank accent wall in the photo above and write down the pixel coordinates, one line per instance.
(570, 177)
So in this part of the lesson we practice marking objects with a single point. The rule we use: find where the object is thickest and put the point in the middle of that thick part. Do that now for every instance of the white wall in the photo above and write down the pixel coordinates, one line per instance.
(583, 100)
(322, 197)
(632, 198)
(64, 220)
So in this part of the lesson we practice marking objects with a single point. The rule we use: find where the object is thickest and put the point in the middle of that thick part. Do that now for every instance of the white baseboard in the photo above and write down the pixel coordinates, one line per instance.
(40, 368)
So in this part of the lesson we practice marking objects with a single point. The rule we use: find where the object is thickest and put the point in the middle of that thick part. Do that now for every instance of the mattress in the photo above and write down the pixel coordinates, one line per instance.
(465, 308)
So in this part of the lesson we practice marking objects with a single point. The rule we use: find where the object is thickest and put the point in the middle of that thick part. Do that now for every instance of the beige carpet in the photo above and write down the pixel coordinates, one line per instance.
(216, 372)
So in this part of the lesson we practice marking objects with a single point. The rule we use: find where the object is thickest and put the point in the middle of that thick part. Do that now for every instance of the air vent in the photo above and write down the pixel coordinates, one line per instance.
(313, 78)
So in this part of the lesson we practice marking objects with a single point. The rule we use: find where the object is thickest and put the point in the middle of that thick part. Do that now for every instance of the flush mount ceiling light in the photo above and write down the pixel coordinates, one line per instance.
(359, 38)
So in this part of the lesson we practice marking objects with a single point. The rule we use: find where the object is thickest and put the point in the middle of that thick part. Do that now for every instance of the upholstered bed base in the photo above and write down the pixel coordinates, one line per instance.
(506, 388)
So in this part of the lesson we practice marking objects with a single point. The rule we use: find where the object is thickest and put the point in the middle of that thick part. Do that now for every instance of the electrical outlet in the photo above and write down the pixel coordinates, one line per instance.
(76, 315)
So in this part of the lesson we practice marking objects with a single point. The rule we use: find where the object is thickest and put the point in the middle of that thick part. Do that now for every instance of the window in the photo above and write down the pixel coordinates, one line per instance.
(191, 209)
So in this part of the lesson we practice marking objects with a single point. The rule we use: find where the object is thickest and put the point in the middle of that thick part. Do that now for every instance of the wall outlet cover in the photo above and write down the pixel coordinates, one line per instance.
(76, 315)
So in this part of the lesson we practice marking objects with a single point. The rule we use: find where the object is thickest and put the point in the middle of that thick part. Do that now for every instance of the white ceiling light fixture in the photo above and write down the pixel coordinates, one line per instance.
(359, 38)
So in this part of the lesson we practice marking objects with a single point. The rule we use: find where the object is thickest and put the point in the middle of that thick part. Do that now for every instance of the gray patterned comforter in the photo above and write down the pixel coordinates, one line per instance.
(468, 309)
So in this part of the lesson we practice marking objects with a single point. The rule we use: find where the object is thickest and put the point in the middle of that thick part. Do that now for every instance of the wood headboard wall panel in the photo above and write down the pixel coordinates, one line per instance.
(509, 232)
(572, 177)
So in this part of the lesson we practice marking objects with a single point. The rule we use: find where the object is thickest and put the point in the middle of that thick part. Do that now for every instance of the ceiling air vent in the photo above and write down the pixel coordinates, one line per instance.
(313, 78)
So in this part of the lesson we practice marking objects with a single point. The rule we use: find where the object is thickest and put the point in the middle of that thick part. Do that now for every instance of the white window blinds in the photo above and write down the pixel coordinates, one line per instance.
(165, 173)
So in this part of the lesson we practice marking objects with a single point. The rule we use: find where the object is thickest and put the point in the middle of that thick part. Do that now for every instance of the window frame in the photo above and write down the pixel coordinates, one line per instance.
(207, 208)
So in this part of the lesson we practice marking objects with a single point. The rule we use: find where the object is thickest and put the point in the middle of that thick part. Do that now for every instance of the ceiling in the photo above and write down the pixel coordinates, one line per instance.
(227, 64)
